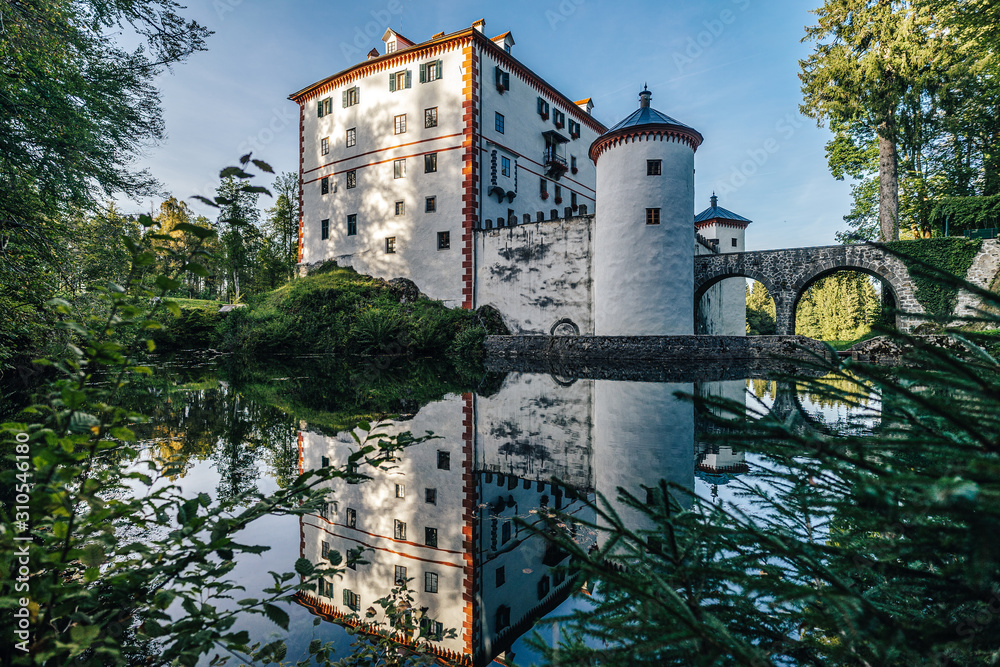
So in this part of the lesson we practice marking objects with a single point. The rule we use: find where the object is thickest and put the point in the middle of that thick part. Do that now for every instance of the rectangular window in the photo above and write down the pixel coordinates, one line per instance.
(734, 243)
(324, 185)
(351, 97)
(444, 240)
(572, 164)
(430, 71)
(543, 188)
(399, 575)
(324, 549)
(502, 617)
(351, 558)
(351, 518)
(399, 168)
(400, 491)
(543, 587)
(399, 124)
(390, 46)
(499, 122)
(574, 129)
(505, 533)
(352, 136)
(390, 245)
(352, 179)
(324, 230)
(352, 600)
(399, 529)
(430, 582)
(572, 200)
(325, 107)
(501, 577)
(543, 109)
(324, 461)
(558, 118)
(399, 80)
(400, 208)
(654, 167)
(431, 537)
(505, 166)
(558, 194)
(444, 461)
(431, 117)
(652, 216)
(502, 80)
(352, 224)
(430, 204)
(431, 496)
(324, 146)
(430, 163)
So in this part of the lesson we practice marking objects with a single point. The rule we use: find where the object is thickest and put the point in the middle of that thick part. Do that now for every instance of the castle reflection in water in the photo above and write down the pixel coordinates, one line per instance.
(443, 516)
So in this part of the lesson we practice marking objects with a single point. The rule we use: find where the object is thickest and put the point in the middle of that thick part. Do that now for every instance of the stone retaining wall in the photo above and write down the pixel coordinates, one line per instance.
(655, 348)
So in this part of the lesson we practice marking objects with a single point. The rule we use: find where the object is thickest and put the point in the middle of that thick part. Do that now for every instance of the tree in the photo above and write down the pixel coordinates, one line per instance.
(869, 55)
(238, 233)
(282, 223)
(75, 109)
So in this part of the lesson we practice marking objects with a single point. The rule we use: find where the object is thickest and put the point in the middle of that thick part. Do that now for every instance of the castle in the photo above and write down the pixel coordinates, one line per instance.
(450, 163)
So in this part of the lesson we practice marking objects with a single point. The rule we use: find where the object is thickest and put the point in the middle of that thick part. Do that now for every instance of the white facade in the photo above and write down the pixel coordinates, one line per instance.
(505, 150)
(644, 273)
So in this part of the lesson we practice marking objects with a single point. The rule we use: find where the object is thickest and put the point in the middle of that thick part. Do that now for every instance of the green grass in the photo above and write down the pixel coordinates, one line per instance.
(200, 304)
(841, 345)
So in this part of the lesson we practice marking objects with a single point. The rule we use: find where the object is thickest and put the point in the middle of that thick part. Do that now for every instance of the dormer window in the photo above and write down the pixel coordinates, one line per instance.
(390, 46)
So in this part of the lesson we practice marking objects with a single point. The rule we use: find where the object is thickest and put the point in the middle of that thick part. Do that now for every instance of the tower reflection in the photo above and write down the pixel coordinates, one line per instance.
(453, 515)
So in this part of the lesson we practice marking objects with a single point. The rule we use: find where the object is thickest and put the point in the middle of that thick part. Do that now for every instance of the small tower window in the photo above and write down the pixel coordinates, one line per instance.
(734, 243)
(324, 232)
(400, 208)
(654, 167)
(444, 240)
(390, 245)
(652, 216)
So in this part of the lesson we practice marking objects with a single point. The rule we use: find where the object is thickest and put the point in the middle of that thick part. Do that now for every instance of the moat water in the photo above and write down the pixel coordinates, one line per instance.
(453, 515)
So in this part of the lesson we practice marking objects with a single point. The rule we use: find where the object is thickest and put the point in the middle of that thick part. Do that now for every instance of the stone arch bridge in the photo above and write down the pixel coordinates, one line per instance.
(787, 273)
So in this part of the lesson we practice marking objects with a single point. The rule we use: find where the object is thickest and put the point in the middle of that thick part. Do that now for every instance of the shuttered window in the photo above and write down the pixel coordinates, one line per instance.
(430, 71)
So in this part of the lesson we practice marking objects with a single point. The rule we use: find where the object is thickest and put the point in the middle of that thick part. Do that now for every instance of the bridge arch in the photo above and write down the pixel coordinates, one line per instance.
(788, 273)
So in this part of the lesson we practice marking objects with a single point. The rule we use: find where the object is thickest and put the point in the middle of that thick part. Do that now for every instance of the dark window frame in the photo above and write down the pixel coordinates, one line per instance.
(652, 216)
(430, 163)
(654, 167)
(499, 122)
(430, 204)
(431, 117)
(444, 240)
(324, 229)
(390, 245)
(352, 224)
(352, 136)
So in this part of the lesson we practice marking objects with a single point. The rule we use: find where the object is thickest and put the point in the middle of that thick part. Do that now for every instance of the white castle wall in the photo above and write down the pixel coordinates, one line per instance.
(643, 433)
(723, 308)
(535, 429)
(538, 275)
(522, 141)
(437, 272)
(644, 274)
(377, 506)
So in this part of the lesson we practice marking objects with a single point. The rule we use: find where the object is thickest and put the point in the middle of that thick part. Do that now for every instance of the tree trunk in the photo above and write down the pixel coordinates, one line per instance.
(888, 204)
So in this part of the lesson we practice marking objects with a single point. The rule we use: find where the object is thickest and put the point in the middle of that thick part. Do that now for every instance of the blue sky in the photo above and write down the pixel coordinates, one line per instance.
(726, 67)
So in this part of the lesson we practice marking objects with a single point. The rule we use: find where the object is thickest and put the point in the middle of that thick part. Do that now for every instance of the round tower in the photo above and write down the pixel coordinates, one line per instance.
(644, 245)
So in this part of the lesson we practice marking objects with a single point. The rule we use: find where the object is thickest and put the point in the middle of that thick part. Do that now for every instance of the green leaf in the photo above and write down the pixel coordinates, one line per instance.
(304, 567)
(195, 230)
(84, 635)
(234, 172)
(172, 305)
(277, 615)
(205, 200)
(167, 284)
(263, 166)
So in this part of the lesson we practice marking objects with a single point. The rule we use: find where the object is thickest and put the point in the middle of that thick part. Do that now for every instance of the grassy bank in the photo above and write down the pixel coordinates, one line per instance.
(334, 310)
